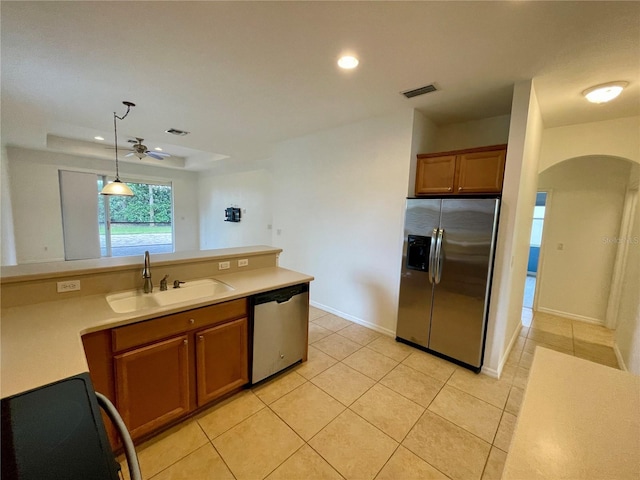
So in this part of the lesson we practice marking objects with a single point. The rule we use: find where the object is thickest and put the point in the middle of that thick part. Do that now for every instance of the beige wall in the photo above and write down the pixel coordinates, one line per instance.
(582, 221)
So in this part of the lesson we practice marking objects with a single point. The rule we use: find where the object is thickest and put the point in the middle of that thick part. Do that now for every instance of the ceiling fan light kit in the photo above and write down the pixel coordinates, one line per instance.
(117, 187)
(141, 151)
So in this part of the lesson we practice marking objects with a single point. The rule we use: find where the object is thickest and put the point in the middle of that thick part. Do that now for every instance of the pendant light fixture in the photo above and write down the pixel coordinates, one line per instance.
(117, 187)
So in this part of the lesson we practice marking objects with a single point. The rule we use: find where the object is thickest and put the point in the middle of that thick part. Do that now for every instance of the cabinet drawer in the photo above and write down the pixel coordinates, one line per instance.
(149, 331)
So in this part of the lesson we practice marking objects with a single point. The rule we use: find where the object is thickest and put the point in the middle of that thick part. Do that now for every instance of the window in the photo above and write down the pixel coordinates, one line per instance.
(132, 225)
(97, 225)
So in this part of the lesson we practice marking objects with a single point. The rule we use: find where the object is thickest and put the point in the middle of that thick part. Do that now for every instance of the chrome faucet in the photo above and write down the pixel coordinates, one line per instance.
(163, 283)
(146, 273)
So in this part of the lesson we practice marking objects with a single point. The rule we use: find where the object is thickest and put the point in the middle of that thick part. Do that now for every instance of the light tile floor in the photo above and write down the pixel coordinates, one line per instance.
(366, 407)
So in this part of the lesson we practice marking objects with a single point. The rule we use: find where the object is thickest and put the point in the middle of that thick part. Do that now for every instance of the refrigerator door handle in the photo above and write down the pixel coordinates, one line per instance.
(432, 255)
(439, 256)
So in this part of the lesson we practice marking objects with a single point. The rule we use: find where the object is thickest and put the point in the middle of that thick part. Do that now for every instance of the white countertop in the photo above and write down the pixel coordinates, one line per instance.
(579, 420)
(41, 343)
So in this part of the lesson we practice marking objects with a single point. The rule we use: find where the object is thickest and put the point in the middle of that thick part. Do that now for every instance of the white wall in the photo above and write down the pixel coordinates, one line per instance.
(7, 240)
(423, 139)
(512, 250)
(617, 138)
(338, 199)
(251, 191)
(478, 133)
(627, 335)
(583, 215)
(35, 198)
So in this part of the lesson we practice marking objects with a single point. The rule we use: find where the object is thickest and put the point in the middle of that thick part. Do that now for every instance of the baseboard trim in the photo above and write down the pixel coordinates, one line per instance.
(492, 372)
(621, 363)
(571, 316)
(353, 319)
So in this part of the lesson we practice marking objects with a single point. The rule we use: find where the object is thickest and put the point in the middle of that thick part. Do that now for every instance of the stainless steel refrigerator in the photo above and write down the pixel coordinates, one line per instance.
(447, 264)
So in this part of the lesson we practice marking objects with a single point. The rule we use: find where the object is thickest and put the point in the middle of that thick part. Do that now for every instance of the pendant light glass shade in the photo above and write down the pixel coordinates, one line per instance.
(117, 187)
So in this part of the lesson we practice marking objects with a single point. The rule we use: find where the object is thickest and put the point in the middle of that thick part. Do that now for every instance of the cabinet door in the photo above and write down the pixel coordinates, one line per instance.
(222, 361)
(481, 172)
(435, 175)
(152, 384)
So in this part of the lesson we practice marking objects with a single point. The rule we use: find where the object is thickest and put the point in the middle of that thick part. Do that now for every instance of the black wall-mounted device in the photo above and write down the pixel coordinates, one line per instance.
(231, 214)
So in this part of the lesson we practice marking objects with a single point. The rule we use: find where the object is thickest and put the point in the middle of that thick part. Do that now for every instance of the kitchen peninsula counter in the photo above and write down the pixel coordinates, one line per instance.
(579, 420)
(41, 342)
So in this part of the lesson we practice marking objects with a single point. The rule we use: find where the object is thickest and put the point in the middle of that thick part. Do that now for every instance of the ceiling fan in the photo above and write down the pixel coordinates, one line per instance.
(141, 151)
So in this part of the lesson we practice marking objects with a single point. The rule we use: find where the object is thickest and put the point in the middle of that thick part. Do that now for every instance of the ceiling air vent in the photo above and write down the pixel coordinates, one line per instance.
(419, 91)
(175, 131)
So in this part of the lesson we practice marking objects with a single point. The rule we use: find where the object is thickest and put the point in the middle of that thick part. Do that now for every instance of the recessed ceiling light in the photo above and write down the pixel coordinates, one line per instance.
(605, 92)
(158, 149)
(99, 138)
(348, 62)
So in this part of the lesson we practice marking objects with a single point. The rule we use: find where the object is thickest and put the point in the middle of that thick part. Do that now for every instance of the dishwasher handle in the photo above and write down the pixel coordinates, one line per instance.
(281, 295)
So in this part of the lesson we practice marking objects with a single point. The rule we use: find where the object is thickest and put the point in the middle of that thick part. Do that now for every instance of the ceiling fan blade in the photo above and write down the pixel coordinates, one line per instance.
(157, 156)
(130, 154)
(160, 154)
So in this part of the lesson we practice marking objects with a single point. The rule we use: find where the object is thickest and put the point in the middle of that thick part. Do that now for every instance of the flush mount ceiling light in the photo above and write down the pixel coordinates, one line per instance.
(605, 92)
(117, 187)
(348, 62)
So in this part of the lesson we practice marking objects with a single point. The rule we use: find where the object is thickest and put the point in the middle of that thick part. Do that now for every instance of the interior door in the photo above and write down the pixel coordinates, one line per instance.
(416, 289)
(461, 297)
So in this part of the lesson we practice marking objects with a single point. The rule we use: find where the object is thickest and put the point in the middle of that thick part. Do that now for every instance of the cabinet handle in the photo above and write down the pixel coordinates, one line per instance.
(449, 189)
(459, 189)
(200, 337)
(185, 342)
(192, 321)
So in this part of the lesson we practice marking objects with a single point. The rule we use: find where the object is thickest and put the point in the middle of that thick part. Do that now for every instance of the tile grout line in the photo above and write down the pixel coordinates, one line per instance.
(216, 450)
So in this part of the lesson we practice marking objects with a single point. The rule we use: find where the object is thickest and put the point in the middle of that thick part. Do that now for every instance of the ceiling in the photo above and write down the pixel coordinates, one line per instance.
(242, 76)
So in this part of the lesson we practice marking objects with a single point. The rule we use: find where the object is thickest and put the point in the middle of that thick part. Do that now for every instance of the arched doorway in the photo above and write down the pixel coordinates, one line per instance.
(582, 257)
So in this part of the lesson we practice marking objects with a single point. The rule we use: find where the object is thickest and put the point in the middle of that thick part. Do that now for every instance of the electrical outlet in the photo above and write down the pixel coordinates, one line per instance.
(243, 263)
(68, 286)
(224, 265)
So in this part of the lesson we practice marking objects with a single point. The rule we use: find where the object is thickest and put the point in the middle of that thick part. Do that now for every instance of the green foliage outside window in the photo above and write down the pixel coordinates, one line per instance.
(149, 204)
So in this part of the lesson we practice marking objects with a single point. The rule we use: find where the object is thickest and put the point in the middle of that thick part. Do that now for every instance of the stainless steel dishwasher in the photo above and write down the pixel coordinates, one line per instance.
(280, 323)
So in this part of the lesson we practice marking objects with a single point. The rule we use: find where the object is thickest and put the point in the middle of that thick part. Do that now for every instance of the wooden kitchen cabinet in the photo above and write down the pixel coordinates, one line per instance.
(152, 384)
(160, 370)
(472, 171)
(222, 359)
(435, 175)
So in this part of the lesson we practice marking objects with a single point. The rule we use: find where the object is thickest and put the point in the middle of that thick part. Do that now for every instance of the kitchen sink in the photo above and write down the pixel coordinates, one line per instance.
(134, 300)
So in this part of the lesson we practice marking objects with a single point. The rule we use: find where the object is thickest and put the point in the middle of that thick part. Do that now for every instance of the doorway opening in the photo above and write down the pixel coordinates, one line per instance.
(534, 250)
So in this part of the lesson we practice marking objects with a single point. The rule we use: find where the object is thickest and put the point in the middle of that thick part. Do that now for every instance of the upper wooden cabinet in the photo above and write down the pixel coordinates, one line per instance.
(477, 170)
